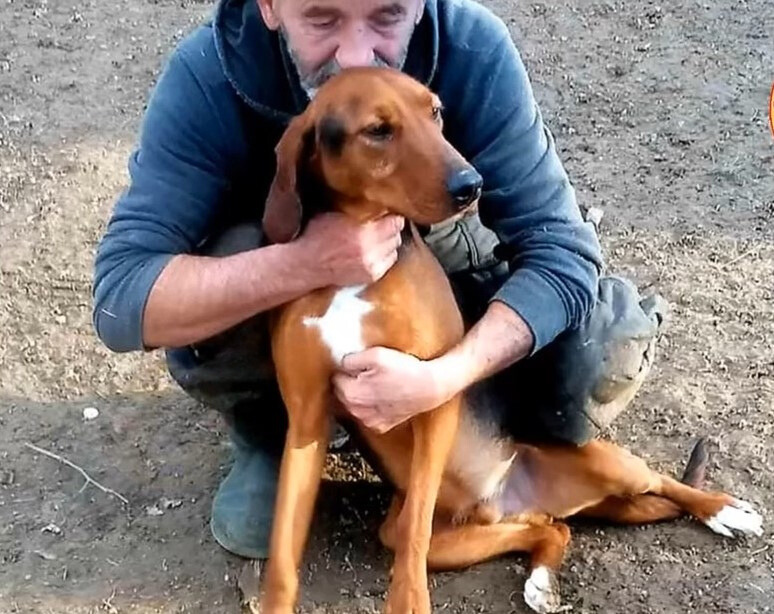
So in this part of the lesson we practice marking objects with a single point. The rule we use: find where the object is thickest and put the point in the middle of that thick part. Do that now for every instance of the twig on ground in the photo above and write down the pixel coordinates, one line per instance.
(750, 251)
(201, 427)
(108, 603)
(87, 477)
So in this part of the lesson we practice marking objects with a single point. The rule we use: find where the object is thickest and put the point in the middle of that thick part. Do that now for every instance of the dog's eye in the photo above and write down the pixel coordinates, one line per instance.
(437, 110)
(380, 132)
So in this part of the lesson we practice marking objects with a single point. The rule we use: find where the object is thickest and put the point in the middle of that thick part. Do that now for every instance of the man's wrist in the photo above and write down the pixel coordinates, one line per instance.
(498, 340)
(303, 264)
(451, 373)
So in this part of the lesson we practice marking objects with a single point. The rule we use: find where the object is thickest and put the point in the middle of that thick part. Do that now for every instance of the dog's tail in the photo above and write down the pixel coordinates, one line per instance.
(696, 469)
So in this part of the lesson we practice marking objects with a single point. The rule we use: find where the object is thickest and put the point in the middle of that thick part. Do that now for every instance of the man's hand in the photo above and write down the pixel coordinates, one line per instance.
(382, 387)
(343, 252)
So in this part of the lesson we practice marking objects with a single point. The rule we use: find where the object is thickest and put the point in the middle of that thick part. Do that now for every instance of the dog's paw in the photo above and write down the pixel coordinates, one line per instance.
(736, 516)
(541, 591)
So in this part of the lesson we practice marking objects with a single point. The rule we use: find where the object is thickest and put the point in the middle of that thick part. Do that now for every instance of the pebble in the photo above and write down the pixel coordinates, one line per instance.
(90, 413)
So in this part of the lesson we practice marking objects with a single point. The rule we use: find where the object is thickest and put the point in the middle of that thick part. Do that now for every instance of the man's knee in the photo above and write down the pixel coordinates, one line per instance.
(240, 386)
(575, 387)
(221, 377)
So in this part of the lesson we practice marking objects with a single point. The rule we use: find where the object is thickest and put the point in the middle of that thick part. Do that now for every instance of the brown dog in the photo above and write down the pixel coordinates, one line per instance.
(371, 143)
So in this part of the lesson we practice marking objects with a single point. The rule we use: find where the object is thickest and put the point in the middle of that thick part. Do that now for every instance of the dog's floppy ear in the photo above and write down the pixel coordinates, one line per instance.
(283, 214)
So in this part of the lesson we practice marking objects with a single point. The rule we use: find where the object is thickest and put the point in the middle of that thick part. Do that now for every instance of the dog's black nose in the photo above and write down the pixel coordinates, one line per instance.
(464, 186)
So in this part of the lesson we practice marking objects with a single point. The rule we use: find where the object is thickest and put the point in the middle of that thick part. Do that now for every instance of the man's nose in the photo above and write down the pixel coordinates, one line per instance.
(355, 48)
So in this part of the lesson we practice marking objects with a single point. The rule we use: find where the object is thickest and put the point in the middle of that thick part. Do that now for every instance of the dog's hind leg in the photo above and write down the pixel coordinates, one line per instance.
(638, 509)
(456, 547)
(645, 509)
(646, 496)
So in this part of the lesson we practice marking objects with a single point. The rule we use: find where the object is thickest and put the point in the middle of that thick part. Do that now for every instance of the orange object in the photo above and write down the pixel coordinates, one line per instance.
(771, 109)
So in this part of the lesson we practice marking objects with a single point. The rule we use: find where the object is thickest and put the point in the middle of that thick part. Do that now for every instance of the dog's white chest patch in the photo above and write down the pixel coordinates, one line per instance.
(341, 327)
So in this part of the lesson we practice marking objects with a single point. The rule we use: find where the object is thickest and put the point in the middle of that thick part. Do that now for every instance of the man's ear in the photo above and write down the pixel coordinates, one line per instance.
(283, 214)
(269, 13)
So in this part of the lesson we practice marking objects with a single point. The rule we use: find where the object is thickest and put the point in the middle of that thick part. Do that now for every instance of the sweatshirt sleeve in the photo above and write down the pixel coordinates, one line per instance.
(528, 201)
(177, 178)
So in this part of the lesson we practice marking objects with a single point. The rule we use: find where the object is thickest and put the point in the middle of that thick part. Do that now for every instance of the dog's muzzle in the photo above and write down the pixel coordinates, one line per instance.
(464, 186)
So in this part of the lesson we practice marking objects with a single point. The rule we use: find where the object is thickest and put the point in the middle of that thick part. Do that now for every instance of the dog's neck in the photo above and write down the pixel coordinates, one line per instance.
(316, 197)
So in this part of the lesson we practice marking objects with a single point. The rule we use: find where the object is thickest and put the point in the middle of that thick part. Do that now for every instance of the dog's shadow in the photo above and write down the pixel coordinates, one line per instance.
(343, 549)
(346, 566)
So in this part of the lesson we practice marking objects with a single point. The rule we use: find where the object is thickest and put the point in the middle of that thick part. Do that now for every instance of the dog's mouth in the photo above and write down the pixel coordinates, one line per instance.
(469, 210)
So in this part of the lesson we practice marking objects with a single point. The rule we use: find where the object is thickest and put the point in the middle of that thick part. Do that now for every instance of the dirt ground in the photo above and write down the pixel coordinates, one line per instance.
(660, 115)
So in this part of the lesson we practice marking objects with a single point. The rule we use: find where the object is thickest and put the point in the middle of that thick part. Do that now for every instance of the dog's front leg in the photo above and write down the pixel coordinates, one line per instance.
(434, 434)
(300, 474)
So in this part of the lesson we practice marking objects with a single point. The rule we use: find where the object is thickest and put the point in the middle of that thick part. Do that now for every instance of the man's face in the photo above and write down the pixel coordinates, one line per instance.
(325, 36)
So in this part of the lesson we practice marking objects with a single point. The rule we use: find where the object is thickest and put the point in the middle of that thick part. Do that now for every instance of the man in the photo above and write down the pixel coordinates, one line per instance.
(183, 266)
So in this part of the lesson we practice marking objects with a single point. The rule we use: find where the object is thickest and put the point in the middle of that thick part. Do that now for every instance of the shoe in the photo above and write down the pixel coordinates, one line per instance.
(627, 327)
(243, 506)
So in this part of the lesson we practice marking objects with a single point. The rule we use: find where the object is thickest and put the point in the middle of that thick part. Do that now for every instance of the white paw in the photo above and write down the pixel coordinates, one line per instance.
(541, 591)
(739, 516)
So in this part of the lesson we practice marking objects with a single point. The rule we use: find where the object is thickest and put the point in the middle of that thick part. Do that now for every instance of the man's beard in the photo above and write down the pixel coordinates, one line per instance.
(311, 83)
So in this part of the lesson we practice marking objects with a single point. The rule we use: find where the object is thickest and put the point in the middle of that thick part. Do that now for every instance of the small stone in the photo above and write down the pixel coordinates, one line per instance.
(169, 504)
(46, 556)
(595, 215)
(90, 413)
(366, 605)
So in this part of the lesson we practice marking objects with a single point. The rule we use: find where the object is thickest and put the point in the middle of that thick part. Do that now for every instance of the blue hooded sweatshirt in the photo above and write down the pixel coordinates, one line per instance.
(205, 160)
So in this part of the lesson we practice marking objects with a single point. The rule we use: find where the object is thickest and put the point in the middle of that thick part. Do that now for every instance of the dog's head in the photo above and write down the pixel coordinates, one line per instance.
(370, 143)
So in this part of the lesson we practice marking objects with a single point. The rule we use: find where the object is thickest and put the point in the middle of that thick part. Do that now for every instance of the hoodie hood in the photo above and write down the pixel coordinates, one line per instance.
(256, 61)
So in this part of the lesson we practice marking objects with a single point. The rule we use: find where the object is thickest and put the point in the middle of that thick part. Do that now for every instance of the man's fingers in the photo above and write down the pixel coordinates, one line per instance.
(395, 242)
(388, 226)
(388, 250)
(377, 267)
(396, 223)
(385, 264)
(339, 382)
(352, 364)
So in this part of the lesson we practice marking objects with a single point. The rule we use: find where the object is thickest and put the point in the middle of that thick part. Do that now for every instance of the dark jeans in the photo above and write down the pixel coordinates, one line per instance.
(547, 397)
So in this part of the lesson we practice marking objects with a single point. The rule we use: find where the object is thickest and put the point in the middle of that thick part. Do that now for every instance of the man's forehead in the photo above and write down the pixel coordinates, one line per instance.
(359, 6)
